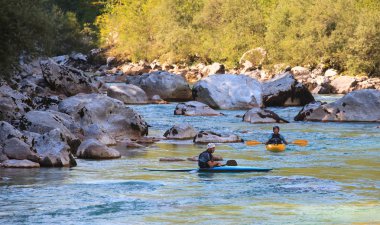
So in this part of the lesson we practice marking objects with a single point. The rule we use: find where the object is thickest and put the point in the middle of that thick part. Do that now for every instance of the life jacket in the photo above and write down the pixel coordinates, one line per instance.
(204, 164)
(275, 139)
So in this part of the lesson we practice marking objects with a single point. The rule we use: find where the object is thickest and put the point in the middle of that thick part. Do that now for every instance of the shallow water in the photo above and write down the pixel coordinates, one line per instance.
(334, 180)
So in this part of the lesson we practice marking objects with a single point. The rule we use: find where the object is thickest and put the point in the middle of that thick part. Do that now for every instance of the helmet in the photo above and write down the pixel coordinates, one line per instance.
(210, 145)
(276, 127)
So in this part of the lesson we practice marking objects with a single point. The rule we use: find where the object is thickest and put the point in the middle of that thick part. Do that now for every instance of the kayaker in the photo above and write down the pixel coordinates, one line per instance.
(276, 137)
(205, 159)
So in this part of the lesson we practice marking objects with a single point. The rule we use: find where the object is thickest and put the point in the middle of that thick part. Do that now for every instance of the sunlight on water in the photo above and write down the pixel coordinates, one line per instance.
(333, 180)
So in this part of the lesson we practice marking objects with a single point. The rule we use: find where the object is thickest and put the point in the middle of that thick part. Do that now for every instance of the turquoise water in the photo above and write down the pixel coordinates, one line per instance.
(334, 180)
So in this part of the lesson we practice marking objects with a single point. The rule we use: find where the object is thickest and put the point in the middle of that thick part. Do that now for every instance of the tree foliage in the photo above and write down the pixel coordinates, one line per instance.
(37, 27)
(342, 34)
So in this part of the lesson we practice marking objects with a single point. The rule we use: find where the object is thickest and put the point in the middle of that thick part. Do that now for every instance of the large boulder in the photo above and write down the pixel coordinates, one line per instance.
(284, 90)
(180, 131)
(194, 108)
(67, 80)
(14, 163)
(228, 91)
(109, 114)
(93, 131)
(212, 137)
(258, 115)
(15, 145)
(343, 84)
(93, 149)
(13, 104)
(357, 106)
(169, 86)
(127, 93)
(42, 122)
(53, 149)
(15, 148)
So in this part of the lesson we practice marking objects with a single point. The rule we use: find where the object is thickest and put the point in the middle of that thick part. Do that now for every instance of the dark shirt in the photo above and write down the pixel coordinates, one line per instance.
(276, 139)
(203, 158)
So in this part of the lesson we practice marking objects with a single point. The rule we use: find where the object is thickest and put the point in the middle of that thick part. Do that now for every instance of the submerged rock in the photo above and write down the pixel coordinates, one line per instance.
(258, 115)
(212, 137)
(14, 163)
(93, 149)
(168, 86)
(357, 106)
(109, 114)
(67, 80)
(128, 93)
(194, 108)
(181, 131)
(284, 90)
(228, 91)
(171, 160)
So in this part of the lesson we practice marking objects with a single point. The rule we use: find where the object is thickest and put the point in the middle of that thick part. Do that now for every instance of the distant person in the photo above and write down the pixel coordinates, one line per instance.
(206, 160)
(276, 137)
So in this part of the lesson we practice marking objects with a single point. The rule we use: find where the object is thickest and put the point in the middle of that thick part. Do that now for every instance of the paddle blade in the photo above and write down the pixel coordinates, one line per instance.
(252, 142)
(300, 142)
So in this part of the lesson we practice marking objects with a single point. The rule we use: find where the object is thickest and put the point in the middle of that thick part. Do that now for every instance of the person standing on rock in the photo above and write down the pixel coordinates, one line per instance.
(276, 137)
(206, 159)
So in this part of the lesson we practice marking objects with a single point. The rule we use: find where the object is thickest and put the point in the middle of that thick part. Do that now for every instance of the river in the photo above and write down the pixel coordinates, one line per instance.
(333, 180)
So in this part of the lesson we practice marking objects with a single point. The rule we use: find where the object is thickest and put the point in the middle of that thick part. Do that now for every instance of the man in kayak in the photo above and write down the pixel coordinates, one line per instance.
(205, 159)
(276, 137)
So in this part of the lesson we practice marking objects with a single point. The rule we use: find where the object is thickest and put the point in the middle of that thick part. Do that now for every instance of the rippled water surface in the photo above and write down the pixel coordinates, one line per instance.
(334, 180)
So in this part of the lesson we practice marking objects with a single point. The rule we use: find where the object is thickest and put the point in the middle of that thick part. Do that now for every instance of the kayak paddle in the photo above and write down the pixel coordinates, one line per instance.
(295, 142)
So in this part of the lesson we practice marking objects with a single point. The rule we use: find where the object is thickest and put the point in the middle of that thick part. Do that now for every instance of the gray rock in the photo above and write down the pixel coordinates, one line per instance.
(258, 115)
(353, 107)
(15, 148)
(94, 131)
(7, 131)
(127, 93)
(343, 84)
(13, 163)
(67, 80)
(181, 131)
(93, 149)
(109, 114)
(228, 91)
(215, 68)
(212, 137)
(169, 86)
(13, 104)
(194, 108)
(284, 90)
(44, 121)
(53, 149)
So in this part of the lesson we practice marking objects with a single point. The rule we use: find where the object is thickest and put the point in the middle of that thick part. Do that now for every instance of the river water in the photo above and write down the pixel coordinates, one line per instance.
(334, 180)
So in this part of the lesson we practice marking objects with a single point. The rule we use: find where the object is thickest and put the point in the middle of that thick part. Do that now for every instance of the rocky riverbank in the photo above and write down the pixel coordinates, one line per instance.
(58, 109)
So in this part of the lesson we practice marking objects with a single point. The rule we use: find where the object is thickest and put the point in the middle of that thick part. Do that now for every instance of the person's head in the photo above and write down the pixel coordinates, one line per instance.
(276, 129)
(211, 147)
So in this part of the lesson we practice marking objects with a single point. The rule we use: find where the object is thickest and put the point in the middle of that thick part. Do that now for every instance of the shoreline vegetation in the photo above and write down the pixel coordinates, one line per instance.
(343, 35)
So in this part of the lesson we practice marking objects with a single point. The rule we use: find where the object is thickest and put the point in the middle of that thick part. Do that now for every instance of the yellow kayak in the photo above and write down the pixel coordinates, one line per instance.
(276, 147)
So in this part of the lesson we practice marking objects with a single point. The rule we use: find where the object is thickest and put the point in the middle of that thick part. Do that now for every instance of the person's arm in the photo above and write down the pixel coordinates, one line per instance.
(266, 143)
(283, 139)
(213, 164)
